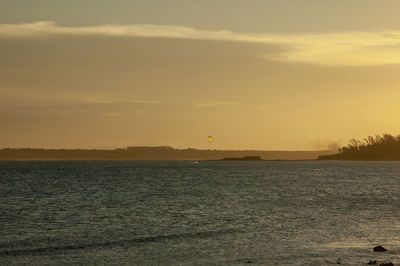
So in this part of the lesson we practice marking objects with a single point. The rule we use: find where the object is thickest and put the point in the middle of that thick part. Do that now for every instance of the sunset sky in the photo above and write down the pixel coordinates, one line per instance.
(254, 74)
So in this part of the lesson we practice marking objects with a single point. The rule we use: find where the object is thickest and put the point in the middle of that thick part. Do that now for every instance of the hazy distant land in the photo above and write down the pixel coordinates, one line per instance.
(154, 153)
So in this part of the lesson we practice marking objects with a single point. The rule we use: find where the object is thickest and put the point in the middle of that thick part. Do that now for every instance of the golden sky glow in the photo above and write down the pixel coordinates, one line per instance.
(93, 81)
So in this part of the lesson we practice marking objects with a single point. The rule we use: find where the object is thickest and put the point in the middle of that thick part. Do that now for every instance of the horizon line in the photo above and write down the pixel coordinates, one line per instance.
(159, 146)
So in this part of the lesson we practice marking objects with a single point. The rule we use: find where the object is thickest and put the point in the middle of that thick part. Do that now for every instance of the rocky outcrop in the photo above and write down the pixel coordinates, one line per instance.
(379, 249)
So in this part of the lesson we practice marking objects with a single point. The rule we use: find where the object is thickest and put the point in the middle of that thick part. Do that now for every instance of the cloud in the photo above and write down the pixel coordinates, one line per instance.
(223, 103)
(341, 48)
(111, 114)
(101, 101)
(24, 95)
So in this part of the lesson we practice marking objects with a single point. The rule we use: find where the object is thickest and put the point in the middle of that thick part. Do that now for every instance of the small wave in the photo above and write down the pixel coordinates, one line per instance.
(207, 234)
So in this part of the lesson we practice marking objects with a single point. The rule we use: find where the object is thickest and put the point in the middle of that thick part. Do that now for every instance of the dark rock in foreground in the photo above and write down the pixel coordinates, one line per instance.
(379, 249)
(374, 262)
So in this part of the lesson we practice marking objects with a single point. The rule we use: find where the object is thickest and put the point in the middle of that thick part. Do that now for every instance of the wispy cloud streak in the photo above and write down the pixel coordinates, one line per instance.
(225, 103)
(341, 48)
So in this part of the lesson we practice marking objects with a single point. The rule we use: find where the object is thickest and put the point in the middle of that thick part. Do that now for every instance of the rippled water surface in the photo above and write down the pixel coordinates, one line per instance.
(206, 213)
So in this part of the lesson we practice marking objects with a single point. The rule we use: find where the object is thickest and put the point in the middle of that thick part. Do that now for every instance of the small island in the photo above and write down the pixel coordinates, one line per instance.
(244, 158)
(372, 148)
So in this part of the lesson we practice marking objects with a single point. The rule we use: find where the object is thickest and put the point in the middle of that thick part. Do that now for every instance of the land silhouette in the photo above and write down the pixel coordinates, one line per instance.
(154, 153)
(372, 148)
(244, 158)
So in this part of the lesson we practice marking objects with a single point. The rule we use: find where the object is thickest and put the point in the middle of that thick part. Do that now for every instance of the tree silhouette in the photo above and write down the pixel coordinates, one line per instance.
(385, 147)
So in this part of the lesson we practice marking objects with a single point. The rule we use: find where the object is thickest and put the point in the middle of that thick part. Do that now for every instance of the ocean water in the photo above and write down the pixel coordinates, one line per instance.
(198, 213)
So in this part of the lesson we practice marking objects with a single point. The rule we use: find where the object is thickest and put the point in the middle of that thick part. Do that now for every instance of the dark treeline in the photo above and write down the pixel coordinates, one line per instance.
(385, 147)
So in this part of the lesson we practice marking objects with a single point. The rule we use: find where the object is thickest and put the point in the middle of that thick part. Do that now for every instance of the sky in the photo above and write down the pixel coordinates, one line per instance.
(254, 74)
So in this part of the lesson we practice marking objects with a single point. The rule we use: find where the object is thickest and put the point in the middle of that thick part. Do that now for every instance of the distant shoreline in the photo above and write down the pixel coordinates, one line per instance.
(244, 158)
(155, 153)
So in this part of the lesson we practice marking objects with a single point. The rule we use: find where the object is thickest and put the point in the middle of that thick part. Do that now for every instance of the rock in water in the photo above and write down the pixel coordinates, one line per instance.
(379, 249)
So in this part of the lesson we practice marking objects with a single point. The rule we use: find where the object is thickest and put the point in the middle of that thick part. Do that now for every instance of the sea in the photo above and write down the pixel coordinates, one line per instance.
(199, 212)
